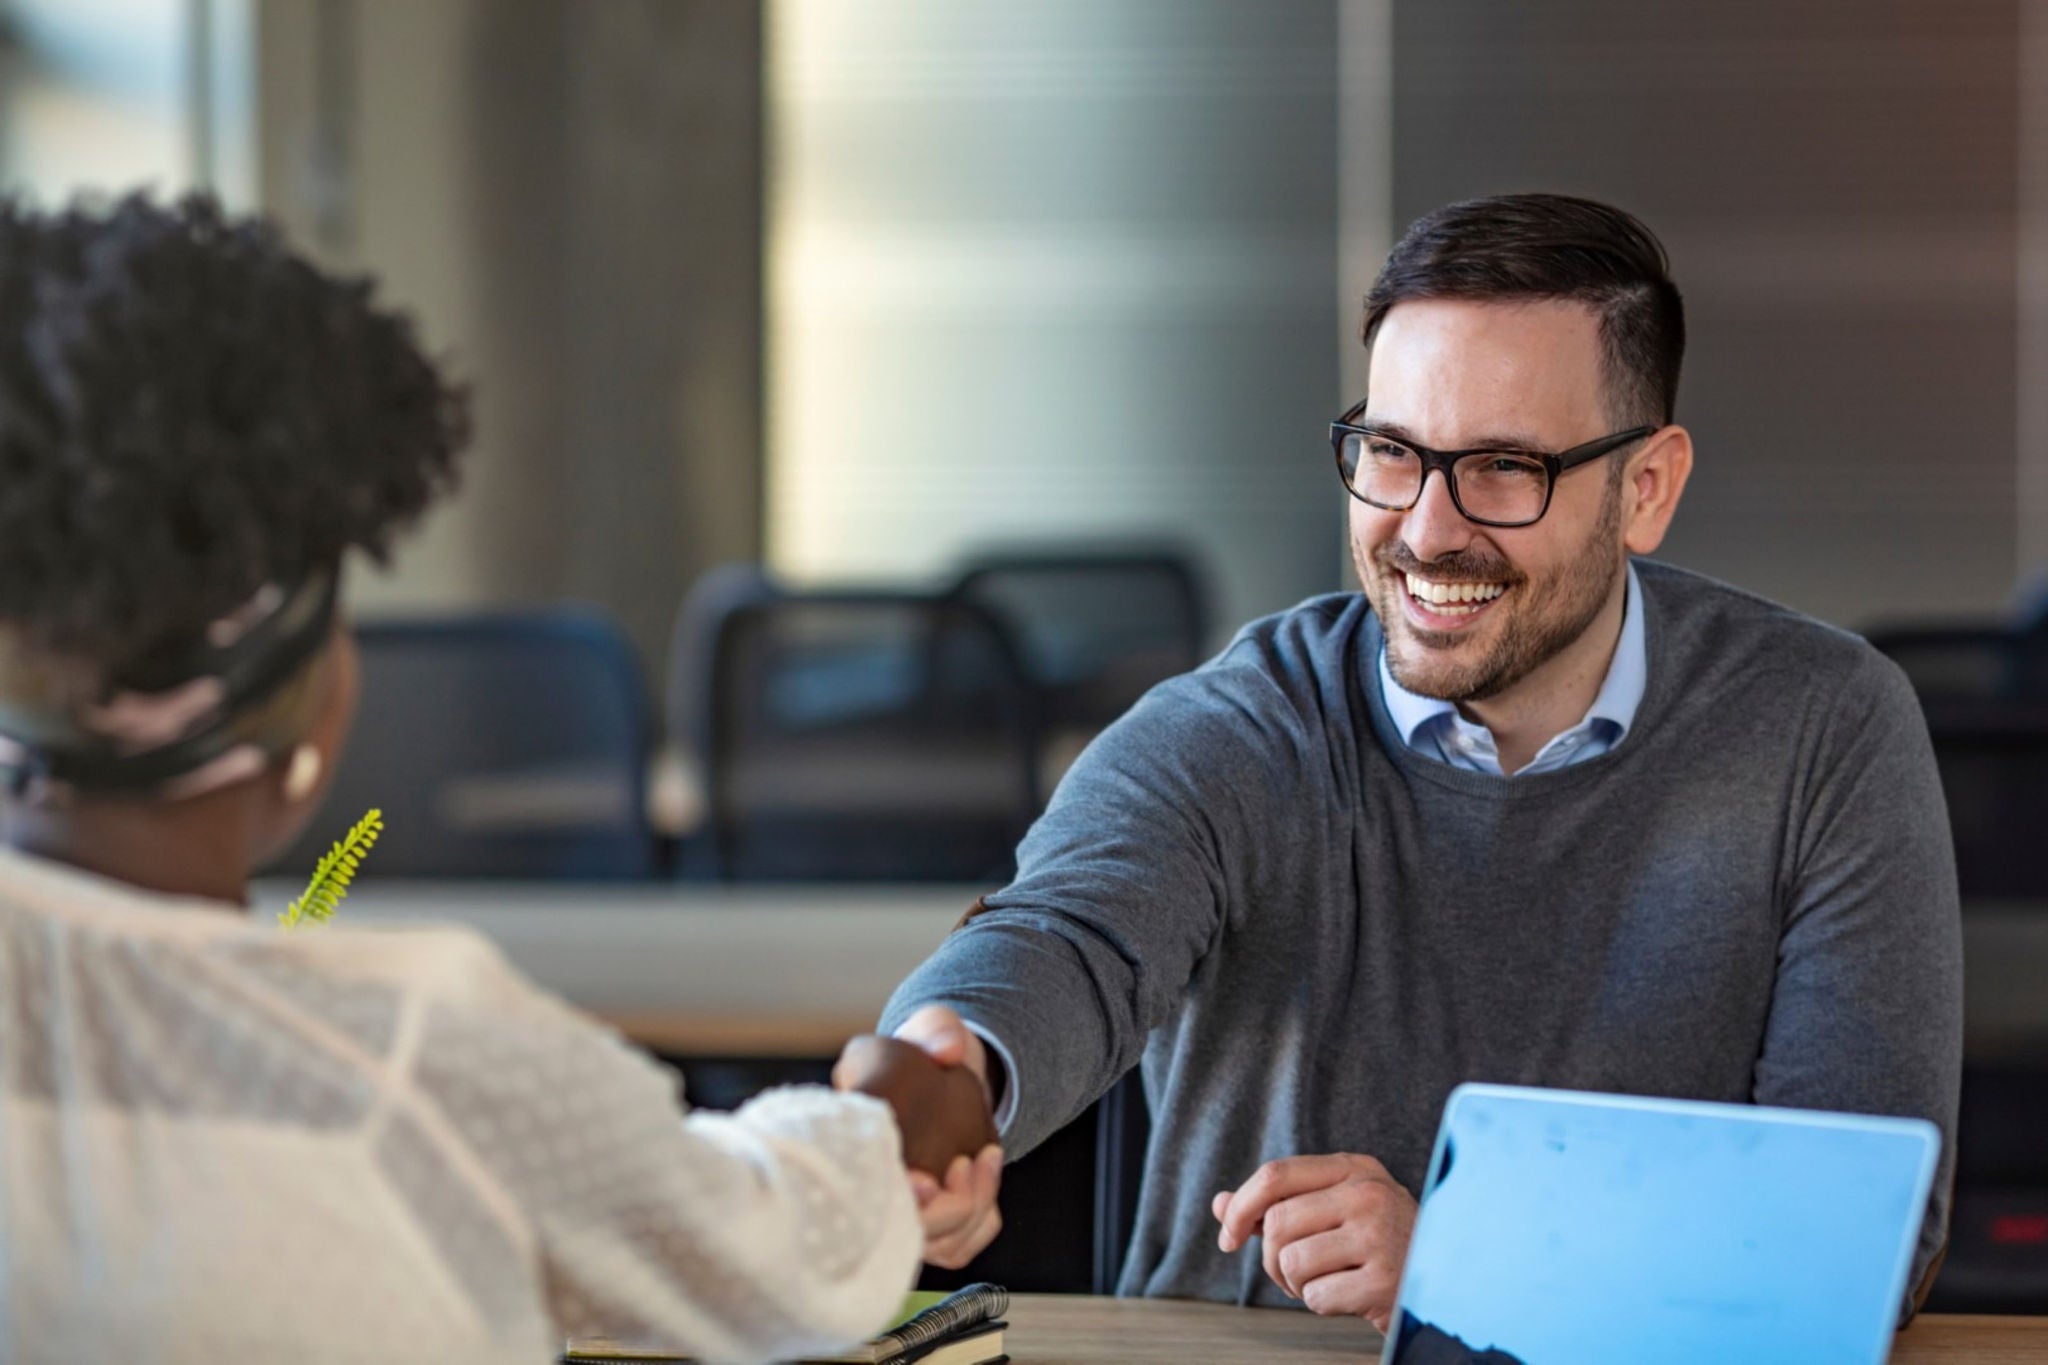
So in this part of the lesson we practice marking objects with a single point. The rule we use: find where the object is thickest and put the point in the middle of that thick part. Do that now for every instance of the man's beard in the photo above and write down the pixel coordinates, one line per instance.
(1542, 617)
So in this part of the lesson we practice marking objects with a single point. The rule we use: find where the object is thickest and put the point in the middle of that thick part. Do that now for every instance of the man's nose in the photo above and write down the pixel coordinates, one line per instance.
(1434, 527)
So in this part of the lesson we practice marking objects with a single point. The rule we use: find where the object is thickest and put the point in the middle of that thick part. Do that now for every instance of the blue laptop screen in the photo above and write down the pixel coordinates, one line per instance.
(1560, 1228)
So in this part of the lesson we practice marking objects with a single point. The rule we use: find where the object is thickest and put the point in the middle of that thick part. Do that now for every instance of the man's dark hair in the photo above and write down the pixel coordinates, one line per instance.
(189, 410)
(1552, 246)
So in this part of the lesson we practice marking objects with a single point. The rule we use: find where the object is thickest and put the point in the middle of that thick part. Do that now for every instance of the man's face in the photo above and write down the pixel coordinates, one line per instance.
(1461, 375)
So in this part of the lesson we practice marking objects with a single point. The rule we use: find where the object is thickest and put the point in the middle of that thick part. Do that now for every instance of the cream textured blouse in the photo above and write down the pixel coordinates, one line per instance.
(224, 1141)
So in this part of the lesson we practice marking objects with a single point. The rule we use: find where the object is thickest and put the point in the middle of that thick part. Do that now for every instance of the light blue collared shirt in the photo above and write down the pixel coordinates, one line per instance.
(1435, 729)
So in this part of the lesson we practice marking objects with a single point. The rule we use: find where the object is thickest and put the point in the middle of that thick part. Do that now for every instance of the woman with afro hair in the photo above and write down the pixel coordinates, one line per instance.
(223, 1141)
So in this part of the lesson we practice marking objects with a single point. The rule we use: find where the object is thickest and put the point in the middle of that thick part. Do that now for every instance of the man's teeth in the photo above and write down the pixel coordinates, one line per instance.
(1455, 595)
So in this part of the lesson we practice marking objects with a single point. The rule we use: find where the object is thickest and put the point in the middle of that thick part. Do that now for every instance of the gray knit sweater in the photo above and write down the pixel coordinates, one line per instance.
(1311, 933)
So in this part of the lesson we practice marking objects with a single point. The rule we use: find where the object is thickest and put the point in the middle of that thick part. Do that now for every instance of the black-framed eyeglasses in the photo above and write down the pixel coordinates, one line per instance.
(1490, 487)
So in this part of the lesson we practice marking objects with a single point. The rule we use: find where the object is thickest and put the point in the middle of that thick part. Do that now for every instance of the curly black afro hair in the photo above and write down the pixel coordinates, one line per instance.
(187, 411)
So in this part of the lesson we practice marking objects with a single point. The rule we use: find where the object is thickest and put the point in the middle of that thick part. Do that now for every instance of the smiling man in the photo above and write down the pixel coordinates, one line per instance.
(1527, 810)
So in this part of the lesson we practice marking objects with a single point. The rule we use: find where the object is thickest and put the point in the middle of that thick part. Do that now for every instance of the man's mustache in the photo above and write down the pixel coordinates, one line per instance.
(1461, 565)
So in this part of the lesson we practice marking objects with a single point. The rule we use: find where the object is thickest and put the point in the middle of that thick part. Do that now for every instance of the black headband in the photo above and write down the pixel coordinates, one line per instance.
(250, 668)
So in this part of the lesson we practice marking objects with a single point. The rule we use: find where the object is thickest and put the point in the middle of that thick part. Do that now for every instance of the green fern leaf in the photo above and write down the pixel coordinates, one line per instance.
(332, 875)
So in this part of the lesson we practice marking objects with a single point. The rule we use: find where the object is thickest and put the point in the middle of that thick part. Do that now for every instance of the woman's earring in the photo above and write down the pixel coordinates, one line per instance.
(302, 774)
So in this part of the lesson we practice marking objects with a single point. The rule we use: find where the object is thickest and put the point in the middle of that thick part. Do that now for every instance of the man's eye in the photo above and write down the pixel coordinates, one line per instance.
(1388, 450)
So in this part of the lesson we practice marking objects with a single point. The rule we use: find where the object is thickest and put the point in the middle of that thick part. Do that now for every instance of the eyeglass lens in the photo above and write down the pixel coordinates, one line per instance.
(1491, 485)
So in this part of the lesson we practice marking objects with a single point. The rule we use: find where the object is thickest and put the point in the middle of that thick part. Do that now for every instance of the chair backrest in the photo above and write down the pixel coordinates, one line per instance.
(1123, 1130)
(1094, 630)
(1968, 661)
(862, 735)
(510, 745)
(717, 593)
(1993, 758)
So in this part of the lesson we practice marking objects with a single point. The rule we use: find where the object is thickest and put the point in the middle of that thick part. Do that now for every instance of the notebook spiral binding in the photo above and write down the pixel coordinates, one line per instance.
(963, 1308)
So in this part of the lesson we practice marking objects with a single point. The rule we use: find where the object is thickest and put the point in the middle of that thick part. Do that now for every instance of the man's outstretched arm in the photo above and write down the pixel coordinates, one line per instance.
(1049, 988)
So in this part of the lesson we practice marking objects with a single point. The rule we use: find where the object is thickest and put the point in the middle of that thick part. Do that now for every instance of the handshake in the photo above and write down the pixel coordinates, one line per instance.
(934, 1077)
(942, 1111)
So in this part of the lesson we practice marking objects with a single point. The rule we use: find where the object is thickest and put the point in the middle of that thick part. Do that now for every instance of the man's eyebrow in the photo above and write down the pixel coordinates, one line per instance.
(1509, 441)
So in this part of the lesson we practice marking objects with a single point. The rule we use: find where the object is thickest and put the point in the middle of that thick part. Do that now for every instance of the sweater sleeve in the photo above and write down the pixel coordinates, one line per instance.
(787, 1228)
(1123, 887)
(1867, 1012)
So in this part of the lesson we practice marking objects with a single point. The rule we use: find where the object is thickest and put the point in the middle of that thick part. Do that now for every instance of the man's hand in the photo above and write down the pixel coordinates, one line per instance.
(959, 1212)
(960, 1216)
(1335, 1230)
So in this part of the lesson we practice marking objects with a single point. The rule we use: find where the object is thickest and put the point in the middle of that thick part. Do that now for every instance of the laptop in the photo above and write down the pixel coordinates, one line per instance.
(1565, 1228)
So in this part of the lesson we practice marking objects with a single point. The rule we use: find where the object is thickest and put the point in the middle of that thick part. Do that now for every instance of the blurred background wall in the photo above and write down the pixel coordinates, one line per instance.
(1837, 183)
(1053, 271)
(569, 194)
(861, 287)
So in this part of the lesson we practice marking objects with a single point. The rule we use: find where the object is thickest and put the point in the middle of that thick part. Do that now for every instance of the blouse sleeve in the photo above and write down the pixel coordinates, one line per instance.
(783, 1229)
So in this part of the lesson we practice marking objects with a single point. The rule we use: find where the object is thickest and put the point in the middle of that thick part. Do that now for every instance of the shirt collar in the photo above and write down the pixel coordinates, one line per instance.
(1620, 694)
(1628, 674)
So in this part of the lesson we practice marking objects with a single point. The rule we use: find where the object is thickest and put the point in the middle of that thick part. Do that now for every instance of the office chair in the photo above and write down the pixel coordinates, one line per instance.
(1123, 1130)
(1968, 661)
(1992, 753)
(1993, 757)
(855, 735)
(505, 745)
(1095, 629)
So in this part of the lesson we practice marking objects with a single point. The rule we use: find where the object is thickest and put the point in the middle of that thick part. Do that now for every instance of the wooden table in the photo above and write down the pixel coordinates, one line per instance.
(691, 969)
(1060, 1329)
(1076, 1329)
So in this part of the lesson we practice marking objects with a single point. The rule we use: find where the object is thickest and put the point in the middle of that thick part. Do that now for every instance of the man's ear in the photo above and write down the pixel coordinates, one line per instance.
(1654, 482)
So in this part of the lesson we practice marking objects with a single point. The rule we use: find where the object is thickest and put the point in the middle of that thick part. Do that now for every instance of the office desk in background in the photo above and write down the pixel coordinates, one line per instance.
(793, 970)
(1060, 1329)
(691, 969)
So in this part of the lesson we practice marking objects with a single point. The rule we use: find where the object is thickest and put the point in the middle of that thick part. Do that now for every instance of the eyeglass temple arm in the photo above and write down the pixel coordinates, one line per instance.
(1593, 450)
